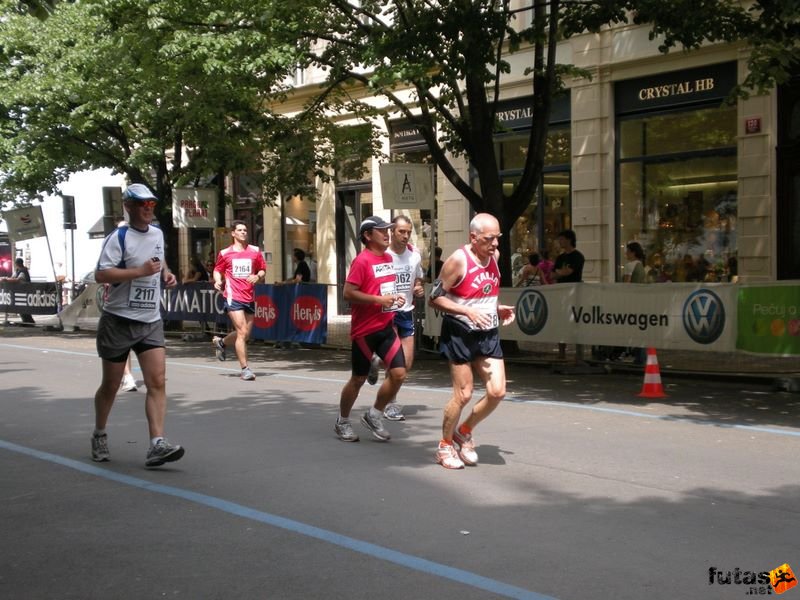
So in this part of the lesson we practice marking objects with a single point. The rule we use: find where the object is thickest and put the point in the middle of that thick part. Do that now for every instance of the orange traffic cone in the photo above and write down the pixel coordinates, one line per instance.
(652, 387)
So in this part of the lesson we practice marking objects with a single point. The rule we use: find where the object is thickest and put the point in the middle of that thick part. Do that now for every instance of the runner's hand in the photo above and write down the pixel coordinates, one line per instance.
(392, 301)
(170, 280)
(481, 319)
(506, 314)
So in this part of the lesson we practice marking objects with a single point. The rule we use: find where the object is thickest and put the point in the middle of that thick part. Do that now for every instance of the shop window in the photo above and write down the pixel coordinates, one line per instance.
(678, 193)
(537, 228)
(300, 231)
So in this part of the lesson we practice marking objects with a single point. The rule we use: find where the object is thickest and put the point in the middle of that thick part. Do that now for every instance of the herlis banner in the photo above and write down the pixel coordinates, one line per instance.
(25, 223)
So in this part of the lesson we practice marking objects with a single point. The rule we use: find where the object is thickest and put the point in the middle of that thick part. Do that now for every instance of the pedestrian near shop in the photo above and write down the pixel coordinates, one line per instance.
(302, 272)
(408, 272)
(546, 266)
(569, 264)
(634, 266)
(531, 274)
(132, 264)
(634, 273)
(21, 275)
(371, 290)
(467, 291)
(237, 270)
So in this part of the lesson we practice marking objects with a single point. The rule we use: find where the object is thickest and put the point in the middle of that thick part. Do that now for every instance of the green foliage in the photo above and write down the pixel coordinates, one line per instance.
(130, 84)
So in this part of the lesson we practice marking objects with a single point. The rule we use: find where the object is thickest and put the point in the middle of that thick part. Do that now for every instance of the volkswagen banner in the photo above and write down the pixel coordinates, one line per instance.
(682, 316)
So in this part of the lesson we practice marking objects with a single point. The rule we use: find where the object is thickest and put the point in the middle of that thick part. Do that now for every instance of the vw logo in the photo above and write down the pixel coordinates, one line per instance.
(704, 316)
(531, 312)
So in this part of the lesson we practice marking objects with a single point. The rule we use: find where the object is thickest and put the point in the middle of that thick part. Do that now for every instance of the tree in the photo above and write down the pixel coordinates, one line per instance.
(107, 84)
(453, 56)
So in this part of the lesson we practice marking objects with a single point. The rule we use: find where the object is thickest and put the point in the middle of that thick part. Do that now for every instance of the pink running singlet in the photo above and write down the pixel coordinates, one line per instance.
(374, 275)
(237, 266)
(479, 289)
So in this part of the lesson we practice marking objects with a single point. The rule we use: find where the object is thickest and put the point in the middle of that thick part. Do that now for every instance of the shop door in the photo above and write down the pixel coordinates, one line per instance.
(788, 158)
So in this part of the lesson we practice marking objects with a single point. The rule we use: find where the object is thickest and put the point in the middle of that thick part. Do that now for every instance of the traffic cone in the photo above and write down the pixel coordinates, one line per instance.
(652, 387)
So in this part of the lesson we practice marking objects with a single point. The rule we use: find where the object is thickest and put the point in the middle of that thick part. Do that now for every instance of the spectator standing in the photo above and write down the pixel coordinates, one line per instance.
(21, 275)
(371, 290)
(634, 273)
(237, 270)
(199, 272)
(302, 272)
(132, 264)
(531, 274)
(546, 266)
(634, 267)
(569, 264)
(467, 291)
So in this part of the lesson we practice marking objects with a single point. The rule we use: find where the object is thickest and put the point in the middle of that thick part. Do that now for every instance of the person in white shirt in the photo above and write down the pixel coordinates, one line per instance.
(132, 264)
(409, 277)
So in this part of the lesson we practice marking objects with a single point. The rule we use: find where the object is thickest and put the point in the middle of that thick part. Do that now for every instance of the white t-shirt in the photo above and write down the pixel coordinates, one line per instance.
(630, 269)
(407, 268)
(138, 299)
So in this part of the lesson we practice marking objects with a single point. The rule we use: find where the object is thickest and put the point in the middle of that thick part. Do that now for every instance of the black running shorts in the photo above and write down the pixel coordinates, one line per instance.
(460, 344)
(117, 336)
(384, 343)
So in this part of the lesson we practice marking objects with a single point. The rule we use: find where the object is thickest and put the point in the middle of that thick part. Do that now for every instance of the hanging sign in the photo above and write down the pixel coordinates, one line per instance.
(407, 185)
(25, 223)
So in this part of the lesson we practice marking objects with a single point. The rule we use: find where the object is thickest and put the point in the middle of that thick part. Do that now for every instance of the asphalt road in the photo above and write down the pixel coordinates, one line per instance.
(584, 490)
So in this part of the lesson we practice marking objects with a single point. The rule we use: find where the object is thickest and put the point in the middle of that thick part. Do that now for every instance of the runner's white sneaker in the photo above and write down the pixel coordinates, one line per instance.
(466, 448)
(376, 427)
(394, 412)
(128, 384)
(447, 456)
(100, 448)
(219, 349)
(163, 452)
(344, 431)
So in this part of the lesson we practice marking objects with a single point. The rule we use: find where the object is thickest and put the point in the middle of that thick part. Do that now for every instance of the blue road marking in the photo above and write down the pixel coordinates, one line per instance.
(372, 550)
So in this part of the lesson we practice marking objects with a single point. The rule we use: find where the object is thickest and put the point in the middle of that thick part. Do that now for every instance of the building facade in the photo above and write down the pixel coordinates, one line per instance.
(647, 150)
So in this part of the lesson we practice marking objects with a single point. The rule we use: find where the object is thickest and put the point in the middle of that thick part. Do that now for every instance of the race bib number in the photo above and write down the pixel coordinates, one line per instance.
(144, 293)
(403, 282)
(491, 312)
(241, 268)
(495, 321)
(388, 289)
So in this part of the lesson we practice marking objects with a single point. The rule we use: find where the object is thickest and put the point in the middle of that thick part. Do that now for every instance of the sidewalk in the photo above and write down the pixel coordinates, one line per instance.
(691, 363)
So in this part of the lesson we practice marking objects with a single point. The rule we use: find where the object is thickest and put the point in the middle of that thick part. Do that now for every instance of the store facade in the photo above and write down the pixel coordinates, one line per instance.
(649, 149)
(676, 172)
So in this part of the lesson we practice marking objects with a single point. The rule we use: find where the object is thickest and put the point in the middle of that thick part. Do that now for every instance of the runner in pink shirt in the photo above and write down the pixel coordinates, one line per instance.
(237, 270)
(370, 288)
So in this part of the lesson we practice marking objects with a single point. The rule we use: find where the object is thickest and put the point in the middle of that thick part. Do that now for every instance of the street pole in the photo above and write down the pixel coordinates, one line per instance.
(72, 261)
